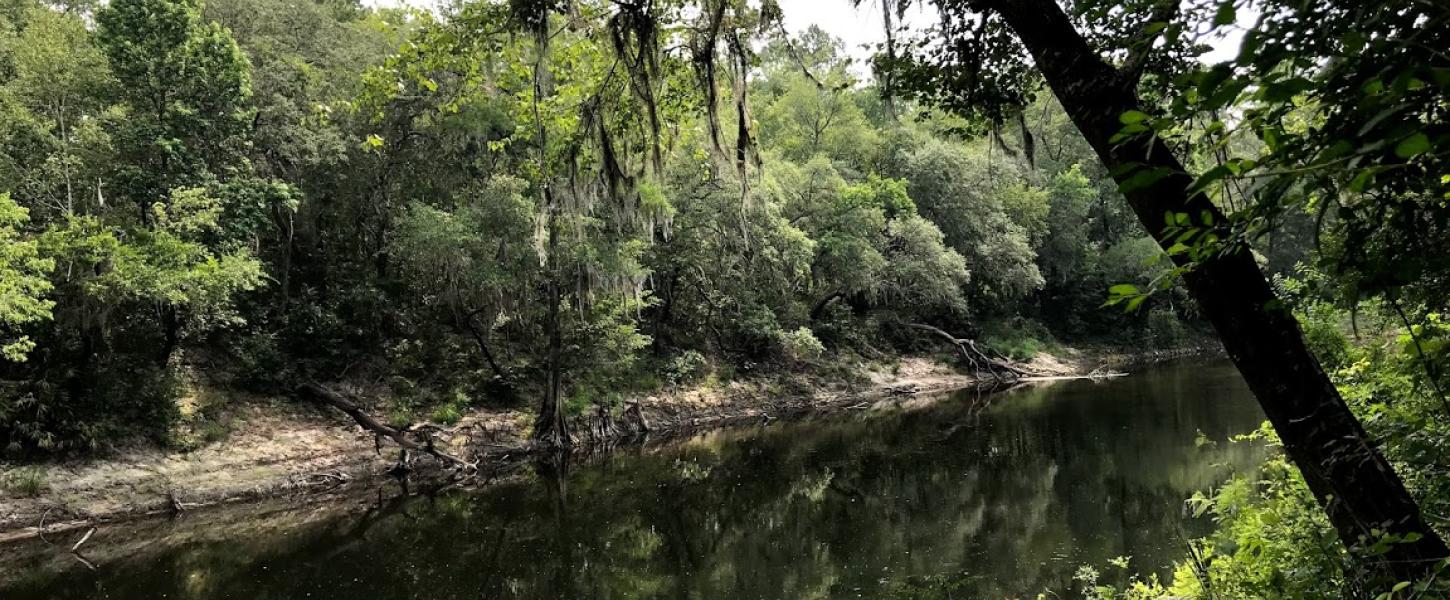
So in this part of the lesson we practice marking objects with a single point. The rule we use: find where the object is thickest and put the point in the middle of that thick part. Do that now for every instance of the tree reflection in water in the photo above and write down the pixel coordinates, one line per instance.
(959, 499)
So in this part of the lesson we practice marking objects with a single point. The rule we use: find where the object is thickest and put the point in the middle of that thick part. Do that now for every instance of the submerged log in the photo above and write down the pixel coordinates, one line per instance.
(399, 436)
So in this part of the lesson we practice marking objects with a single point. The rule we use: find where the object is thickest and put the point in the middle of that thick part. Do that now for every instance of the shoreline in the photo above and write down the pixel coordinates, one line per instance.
(291, 452)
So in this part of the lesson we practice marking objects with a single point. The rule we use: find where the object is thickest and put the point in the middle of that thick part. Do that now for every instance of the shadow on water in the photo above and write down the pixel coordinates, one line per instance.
(985, 499)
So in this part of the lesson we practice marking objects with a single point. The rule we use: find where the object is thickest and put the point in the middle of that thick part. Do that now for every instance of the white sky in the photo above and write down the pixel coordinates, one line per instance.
(859, 28)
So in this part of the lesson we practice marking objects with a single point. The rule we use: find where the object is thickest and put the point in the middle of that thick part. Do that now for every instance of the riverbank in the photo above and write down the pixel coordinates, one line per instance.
(282, 448)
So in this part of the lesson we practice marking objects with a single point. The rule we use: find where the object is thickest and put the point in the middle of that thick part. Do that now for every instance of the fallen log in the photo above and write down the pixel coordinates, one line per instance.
(400, 437)
(971, 353)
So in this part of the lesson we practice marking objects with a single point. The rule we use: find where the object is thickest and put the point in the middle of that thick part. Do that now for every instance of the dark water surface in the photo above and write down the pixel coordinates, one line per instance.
(998, 497)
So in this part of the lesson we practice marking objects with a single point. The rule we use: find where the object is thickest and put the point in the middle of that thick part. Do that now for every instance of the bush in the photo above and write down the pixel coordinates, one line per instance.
(1271, 538)
(684, 368)
(29, 482)
(120, 401)
(447, 414)
(1325, 336)
(800, 345)
(1018, 339)
(1167, 330)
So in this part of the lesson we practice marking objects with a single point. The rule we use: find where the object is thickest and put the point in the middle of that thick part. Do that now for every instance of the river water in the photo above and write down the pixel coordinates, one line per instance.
(970, 496)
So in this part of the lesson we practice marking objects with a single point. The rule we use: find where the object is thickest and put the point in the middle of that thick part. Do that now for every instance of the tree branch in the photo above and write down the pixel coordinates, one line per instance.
(336, 400)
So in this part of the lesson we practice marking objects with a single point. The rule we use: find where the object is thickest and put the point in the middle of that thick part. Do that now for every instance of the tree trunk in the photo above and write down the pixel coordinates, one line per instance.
(1350, 478)
(171, 332)
(551, 427)
(886, 75)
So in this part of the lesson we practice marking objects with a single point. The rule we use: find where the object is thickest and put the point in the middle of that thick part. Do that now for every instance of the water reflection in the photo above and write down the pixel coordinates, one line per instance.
(958, 499)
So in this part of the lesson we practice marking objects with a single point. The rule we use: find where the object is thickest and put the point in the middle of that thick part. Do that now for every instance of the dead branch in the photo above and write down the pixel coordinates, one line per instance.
(971, 353)
(41, 527)
(369, 423)
(85, 538)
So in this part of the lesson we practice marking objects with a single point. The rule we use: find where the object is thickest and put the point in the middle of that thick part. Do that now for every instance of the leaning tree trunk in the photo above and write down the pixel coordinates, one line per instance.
(1353, 482)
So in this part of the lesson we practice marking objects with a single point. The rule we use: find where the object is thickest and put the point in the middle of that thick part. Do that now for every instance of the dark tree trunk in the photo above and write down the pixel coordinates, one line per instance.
(1347, 474)
(886, 76)
(171, 331)
(664, 312)
(551, 427)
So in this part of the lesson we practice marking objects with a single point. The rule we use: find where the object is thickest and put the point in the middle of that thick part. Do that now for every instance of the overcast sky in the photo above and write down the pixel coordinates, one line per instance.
(859, 28)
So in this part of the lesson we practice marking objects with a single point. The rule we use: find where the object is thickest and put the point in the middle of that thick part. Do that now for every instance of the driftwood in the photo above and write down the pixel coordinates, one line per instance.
(85, 538)
(399, 436)
(971, 353)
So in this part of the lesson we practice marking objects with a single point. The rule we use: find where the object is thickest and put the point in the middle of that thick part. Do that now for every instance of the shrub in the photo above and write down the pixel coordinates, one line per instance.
(684, 368)
(1167, 329)
(800, 345)
(1019, 339)
(1324, 335)
(121, 400)
(29, 482)
(447, 414)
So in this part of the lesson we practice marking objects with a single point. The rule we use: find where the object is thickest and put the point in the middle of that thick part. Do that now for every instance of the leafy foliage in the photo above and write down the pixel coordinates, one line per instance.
(466, 211)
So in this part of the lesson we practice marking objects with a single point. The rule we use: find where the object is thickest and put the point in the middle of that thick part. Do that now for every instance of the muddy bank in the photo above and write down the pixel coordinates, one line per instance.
(286, 451)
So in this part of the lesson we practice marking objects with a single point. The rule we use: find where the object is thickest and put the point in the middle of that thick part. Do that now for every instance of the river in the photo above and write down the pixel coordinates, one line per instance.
(970, 496)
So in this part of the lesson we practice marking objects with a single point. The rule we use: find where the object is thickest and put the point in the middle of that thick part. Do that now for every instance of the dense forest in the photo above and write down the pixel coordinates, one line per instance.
(270, 192)
(560, 205)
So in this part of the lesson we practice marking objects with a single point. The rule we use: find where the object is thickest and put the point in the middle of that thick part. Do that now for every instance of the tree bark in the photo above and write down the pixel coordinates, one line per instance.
(551, 426)
(1352, 481)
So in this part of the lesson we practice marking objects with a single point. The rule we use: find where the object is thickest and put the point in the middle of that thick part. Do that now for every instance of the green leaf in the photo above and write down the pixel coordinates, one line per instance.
(1132, 117)
(1283, 91)
(1413, 146)
(1353, 42)
(1143, 179)
(1226, 14)
(1362, 181)
(1207, 179)
(1123, 289)
(1134, 303)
